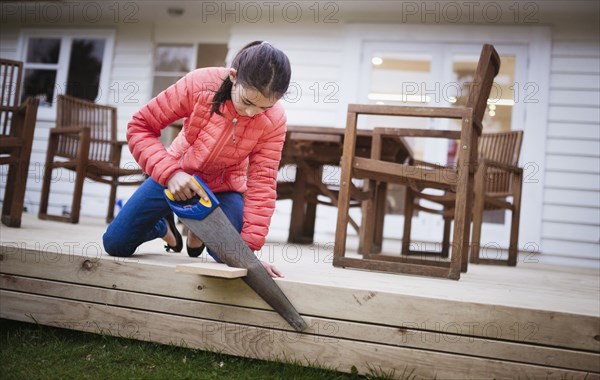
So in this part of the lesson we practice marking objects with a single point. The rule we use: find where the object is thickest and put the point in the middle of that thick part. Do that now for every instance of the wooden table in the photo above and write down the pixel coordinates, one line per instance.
(312, 148)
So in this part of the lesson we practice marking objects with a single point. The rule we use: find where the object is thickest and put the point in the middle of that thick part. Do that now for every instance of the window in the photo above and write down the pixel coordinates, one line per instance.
(173, 61)
(65, 62)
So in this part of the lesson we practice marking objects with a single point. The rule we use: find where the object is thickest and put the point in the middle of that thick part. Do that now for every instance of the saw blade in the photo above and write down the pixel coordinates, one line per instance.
(218, 234)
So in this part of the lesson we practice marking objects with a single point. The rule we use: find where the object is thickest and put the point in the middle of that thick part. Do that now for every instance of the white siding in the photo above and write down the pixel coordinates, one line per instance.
(571, 217)
(316, 56)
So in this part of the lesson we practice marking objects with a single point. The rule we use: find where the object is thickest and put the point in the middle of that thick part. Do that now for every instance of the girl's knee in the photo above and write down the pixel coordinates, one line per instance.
(114, 248)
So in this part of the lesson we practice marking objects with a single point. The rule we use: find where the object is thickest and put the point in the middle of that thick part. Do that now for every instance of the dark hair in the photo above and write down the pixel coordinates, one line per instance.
(259, 65)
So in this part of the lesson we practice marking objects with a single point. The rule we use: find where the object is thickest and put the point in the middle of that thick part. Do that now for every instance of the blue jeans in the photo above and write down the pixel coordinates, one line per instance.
(142, 218)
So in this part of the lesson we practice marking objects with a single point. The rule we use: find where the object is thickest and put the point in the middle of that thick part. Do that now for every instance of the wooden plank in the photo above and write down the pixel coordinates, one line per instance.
(321, 137)
(409, 335)
(573, 130)
(412, 132)
(554, 328)
(440, 112)
(259, 343)
(405, 267)
(346, 163)
(381, 170)
(212, 269)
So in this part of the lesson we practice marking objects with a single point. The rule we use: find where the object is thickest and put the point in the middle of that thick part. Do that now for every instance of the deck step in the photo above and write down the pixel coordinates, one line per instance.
(212, 269)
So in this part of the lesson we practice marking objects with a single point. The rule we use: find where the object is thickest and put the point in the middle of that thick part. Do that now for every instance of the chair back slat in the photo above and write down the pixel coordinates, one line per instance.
(502, 147)
(101, 120)
(10, 75)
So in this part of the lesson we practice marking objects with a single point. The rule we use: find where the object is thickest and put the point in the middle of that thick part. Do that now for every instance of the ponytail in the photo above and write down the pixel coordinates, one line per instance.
(259, 65)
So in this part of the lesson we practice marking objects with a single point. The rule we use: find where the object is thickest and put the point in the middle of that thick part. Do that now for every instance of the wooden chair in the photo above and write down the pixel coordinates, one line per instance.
(459, 180)
(310, 149)
(497, 178)
(16, 137)
(85, 141)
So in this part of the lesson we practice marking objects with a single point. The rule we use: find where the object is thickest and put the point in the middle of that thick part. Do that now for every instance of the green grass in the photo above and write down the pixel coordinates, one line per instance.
(30, 351)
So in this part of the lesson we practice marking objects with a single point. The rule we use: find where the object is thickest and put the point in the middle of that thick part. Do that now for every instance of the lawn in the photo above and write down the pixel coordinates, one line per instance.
(31, 351)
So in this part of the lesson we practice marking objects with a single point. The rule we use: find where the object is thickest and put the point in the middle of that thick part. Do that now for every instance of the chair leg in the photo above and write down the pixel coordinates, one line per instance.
(52, 146)
(110, 215)
(463, 206)
(446, 239)
(408, 214)
(15, 185)
(43, 212)
(379, 217)
(477, 224)
(367, 228)
(77, 195)
(81, 171)
(513, 248)
(18, 196)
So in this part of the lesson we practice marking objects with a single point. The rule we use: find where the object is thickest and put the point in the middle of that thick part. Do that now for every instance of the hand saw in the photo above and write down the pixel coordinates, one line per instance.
(208, 222)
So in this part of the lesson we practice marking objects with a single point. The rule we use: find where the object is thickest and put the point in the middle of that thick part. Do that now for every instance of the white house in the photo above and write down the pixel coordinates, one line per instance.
(346, 52)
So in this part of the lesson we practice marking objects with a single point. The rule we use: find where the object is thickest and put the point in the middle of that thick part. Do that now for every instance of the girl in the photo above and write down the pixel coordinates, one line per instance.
(232, 137)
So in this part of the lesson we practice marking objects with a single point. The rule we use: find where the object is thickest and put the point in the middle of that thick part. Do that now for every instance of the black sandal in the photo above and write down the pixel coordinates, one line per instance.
(194, 252)
(170, 219)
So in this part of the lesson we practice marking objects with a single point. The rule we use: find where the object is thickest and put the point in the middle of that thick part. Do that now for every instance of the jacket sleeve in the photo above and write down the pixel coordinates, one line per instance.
(143, 130)
(259, 201)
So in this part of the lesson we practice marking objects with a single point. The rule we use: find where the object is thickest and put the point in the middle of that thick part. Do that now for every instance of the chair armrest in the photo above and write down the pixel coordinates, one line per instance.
(69, 130)
(435, 112)
(400, 133)
(413, 132)
(502, 166)
(27, 104)
(427, 164)
(117, 143)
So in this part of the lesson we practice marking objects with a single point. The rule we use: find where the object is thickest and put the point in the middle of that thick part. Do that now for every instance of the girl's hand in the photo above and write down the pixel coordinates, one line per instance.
(272, 270)
(183, 187)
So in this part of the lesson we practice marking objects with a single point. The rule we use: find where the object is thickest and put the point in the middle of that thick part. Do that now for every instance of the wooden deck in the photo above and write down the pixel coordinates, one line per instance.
(532, 321)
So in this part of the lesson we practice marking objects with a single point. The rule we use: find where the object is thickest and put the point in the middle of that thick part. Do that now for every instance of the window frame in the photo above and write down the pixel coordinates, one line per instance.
(193, 61)
(66, 37)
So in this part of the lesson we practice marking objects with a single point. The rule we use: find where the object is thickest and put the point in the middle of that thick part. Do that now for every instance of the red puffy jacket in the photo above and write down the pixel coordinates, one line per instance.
(229, 152)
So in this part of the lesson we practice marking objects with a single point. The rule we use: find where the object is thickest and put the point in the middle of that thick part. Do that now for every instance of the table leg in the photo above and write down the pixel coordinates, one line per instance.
(298, 207)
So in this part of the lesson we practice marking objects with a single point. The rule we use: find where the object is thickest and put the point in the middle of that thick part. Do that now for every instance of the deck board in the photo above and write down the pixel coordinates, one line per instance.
(534, 315)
